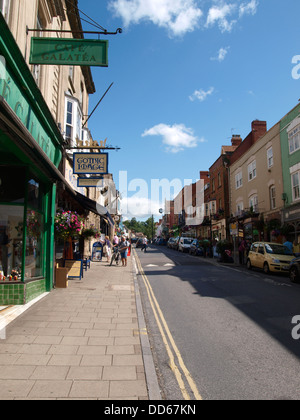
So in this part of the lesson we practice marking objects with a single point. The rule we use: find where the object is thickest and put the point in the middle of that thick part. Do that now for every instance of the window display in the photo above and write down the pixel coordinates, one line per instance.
(11, 242)
(14, 253)
(33, 256)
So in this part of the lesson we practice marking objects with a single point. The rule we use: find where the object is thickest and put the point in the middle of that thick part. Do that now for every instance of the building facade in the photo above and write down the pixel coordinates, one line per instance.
(43, 112)
(256, 186)
(31, 149)
(290, 151)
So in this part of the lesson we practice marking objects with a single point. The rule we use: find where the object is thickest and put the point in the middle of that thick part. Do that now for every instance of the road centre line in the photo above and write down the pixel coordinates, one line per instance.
(162, 322)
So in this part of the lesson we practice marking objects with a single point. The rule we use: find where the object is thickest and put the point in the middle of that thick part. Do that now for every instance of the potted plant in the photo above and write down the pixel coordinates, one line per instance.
(67, 224)
(90, 232)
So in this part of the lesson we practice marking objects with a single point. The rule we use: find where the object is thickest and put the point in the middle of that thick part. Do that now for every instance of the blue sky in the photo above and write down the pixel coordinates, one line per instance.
(187, 75)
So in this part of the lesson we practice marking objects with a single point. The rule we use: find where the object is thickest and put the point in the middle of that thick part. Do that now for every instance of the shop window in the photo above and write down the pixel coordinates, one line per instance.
(12, 188)
(34, 245)
(15, 194)
(11, 240)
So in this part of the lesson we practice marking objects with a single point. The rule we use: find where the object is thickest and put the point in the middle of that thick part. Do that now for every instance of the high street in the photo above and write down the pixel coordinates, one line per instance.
(219, 332)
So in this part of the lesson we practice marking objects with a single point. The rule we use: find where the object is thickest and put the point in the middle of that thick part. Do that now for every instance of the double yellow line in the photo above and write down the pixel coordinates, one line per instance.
(172, 349)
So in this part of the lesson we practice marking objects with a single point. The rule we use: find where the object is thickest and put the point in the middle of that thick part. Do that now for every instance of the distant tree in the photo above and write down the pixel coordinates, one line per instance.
(145, 227)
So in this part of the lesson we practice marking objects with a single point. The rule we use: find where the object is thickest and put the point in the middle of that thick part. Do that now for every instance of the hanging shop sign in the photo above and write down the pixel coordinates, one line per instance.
(90, 163)
(90, 182)
(69, 52)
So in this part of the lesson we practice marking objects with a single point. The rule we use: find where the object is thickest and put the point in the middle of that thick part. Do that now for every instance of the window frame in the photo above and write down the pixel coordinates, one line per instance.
(252, 170)
(239, 208)
(253, 202)
(270, 157)
(293, 137)
(295, 187)
(272, 196)
(239, 180)
(76, 116)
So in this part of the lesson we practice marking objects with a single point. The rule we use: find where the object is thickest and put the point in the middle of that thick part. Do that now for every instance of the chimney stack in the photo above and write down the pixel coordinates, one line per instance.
(236, 140)
(259, 129)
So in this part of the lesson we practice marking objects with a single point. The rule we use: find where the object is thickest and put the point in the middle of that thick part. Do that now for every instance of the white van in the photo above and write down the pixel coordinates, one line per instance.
(184, 244)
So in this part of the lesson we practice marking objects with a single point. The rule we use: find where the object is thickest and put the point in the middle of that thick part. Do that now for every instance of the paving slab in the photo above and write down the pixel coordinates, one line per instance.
(82, 342)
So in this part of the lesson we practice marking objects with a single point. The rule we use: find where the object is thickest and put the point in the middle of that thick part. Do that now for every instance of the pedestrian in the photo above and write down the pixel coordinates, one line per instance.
(145, 244)
(115, 240)
(124, 245)
(289, 245)
(107, 247)
(242, 248)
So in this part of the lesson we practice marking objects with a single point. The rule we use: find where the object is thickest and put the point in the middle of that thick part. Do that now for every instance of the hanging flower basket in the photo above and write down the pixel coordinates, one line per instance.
(91, 232)
(67, 224)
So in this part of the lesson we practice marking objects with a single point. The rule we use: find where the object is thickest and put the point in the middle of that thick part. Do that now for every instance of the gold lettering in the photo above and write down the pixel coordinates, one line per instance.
(103, 143)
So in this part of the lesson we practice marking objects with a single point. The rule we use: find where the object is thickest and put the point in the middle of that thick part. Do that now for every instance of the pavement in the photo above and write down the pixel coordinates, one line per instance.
(88, 341)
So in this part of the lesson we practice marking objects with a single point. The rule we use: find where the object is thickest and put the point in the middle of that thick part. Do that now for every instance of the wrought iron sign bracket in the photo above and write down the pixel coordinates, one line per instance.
(59, 31)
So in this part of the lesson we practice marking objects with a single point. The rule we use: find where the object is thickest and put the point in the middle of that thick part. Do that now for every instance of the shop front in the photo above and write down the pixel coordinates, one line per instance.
(30, 152)
(219, 230)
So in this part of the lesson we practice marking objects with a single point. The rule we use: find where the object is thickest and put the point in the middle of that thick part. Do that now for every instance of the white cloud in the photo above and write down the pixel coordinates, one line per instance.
(139, 207)
(220, 15)
(249, 8)
(176, 137)
(178, 16)
(182, 16)
(221, 55)
(201, 94)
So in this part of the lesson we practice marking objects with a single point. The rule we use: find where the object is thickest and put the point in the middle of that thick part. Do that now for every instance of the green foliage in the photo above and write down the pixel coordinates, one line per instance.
(146, 227)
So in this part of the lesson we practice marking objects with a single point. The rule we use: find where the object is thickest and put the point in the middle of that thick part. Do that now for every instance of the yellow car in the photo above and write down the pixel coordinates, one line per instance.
(269, 257)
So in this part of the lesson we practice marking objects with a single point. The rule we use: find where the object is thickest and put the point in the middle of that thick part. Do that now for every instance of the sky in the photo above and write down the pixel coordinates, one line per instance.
(187, 75)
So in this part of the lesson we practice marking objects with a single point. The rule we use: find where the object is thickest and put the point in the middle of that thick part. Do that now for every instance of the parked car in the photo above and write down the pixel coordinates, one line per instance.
(170, 243)
(184, 244)
(175, 244)
(294, 270)
(196, 248)
(269, 257)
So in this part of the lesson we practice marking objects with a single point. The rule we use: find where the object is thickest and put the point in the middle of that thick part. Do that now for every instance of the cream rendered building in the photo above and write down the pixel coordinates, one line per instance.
(256, 186)
(66, 91)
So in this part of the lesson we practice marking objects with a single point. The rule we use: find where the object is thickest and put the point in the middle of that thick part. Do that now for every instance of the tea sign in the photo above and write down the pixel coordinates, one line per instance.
(69, 52)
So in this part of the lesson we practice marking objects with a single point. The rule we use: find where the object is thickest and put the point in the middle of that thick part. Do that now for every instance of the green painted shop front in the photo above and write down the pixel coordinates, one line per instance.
(30, 152)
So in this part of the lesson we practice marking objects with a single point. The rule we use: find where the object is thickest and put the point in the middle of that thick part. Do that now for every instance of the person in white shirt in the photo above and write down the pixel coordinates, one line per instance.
(145, 244)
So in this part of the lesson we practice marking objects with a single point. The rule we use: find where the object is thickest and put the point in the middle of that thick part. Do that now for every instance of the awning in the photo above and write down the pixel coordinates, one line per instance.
(93, 206)
(12, 126)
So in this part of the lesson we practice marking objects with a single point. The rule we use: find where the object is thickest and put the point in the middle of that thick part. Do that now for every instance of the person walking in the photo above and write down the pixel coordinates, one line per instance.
(145, 244)
(242, 248)
(124, 245)
(108, 248)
